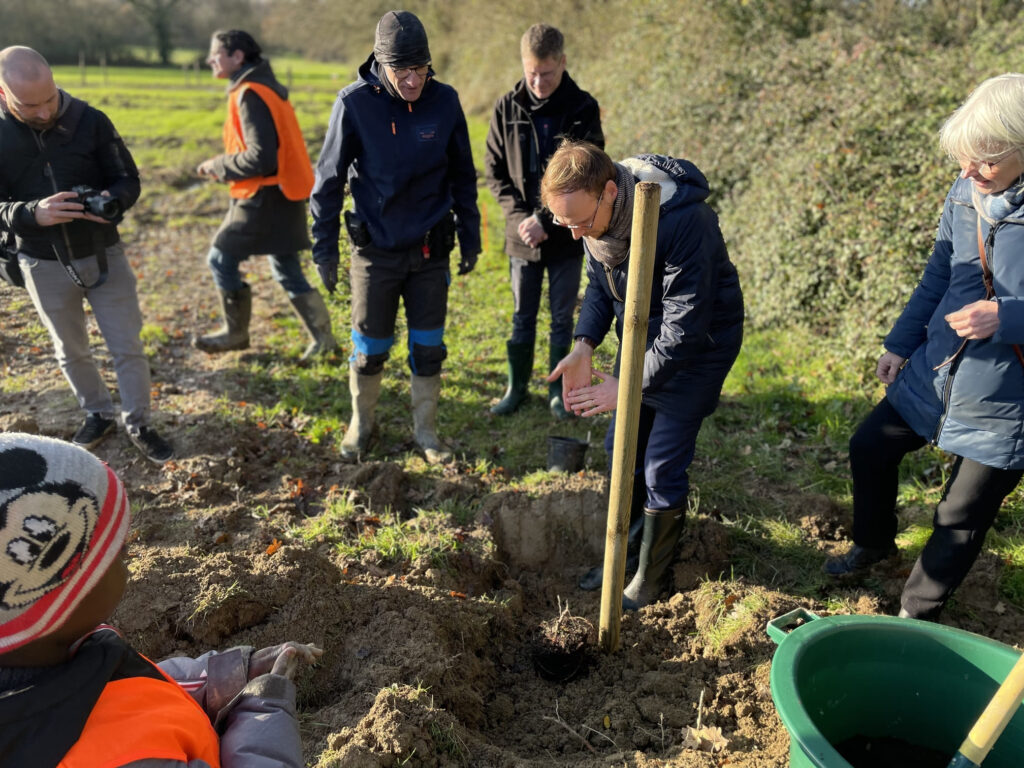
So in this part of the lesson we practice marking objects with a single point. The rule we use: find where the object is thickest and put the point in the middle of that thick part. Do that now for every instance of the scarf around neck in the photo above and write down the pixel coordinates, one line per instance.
(996, 207)
(612, 248)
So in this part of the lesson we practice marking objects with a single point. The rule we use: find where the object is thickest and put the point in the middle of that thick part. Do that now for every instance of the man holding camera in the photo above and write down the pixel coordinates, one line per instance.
(398, 139)
(66, 179)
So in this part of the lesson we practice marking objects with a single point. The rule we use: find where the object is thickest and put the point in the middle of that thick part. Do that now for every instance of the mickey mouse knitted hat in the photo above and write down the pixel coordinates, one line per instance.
(63, 521)
(400, 40)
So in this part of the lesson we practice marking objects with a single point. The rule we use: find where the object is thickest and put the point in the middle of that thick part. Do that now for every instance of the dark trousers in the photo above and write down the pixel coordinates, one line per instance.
(563, 287)
(379, 279)
(664, 451)
(970, 501)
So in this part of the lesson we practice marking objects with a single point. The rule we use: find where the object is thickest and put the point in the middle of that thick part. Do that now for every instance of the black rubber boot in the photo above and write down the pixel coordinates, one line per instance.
(520, 366)
(234, 334)
(662, 529)
(555, 355)
(594, 578)
(313, 313)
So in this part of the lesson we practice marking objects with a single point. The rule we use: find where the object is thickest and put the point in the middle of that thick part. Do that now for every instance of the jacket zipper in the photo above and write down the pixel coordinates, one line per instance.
(53, 183)
(956, 357)
(611, 283)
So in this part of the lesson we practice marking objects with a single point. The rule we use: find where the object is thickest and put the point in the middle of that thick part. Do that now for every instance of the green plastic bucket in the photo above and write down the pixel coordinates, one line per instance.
(838, 677)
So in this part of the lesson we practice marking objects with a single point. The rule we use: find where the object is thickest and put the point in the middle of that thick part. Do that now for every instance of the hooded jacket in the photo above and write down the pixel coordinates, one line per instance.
(82, 148)
(407, 164)
(267, 222)
(695, 325)
(185, 713)
(514, 165)
(967, 398)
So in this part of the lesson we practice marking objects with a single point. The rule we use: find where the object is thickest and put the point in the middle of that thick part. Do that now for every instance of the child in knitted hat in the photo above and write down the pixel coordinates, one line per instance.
(72, 691)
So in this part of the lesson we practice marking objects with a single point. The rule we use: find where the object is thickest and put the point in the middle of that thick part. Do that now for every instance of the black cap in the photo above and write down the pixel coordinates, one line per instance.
(401, 40)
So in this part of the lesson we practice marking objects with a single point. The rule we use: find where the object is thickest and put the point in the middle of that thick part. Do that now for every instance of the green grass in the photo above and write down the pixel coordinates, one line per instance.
(776, 447)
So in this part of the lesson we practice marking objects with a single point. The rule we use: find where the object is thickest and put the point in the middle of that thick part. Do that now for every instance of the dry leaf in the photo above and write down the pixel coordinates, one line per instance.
(274, 546)
(607, 722)
(707, 739)
(460, 595)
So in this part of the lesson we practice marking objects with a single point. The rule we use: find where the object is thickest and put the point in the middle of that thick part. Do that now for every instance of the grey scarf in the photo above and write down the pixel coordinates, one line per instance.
(994, 208)
(612, 248)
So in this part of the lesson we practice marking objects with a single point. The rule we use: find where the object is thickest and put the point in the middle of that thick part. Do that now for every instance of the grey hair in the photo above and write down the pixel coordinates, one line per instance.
(989, 123)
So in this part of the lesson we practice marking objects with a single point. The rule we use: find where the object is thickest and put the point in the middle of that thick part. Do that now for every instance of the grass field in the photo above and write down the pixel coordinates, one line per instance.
(788, 408)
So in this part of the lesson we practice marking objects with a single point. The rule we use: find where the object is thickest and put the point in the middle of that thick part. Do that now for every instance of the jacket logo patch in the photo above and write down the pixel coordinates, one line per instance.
(427, 132)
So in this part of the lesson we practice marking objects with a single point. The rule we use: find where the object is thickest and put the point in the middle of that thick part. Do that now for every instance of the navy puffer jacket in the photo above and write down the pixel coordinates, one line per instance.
(969, 403)
(696, 317)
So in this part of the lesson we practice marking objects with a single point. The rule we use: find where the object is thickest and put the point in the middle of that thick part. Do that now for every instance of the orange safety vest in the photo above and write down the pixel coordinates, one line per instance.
(294, 171)
(137, 718)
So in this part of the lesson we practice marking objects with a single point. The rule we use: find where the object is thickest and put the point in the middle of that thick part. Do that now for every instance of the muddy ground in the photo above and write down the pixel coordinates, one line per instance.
(426, 664)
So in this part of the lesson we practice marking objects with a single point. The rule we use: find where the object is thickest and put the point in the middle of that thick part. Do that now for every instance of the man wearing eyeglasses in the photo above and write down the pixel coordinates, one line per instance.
(694, 331)
(527, 123)
(398, 138)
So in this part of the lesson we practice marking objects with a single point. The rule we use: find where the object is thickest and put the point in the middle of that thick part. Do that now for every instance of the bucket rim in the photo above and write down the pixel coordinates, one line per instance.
(783, 683)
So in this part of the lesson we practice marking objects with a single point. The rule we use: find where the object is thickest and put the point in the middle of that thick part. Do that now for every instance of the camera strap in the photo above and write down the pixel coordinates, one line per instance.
(101, 261)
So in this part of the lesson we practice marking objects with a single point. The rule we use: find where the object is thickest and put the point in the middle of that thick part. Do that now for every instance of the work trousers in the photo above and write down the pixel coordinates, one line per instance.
(379, 278)
(527, 278)
(285, 267)
(115, 305)
(969, 505)
(665, 447)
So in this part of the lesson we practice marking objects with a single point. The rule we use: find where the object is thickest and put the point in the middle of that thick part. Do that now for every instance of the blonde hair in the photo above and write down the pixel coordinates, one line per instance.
(576, 165)
(990, 123)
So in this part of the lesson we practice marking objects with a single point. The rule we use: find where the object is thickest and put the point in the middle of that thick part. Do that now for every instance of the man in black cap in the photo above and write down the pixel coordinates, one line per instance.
(398, 138)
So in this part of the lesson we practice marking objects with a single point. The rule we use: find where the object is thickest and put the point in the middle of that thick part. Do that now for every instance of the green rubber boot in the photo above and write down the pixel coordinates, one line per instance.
(555, 355)
(662, 529)
(520, 366)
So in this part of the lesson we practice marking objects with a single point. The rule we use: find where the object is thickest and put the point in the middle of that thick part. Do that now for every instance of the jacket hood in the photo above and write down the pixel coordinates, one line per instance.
(260, 73)
(681, 181)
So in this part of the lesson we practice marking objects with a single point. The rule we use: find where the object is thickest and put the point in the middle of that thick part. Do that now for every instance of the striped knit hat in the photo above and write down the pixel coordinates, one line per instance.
(63, 521)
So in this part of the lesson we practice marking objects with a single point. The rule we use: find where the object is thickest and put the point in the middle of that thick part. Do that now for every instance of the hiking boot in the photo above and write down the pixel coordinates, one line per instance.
(93, 431)
(857, 560)
(153, 447)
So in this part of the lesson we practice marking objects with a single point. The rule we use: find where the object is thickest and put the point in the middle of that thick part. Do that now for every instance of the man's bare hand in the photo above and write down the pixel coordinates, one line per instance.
(574, 368)
(531, 231)
(206, 169)
(596, 398)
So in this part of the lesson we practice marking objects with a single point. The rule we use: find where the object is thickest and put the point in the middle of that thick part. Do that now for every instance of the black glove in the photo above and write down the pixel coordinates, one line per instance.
(328, 274)
(467, 263)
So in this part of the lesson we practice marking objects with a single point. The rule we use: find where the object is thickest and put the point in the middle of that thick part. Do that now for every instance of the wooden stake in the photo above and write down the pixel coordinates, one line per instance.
(643, 239)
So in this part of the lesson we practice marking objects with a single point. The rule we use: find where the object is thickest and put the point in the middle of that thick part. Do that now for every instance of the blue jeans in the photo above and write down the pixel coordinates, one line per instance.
(563, 288)
(664, 450)
(285, 267)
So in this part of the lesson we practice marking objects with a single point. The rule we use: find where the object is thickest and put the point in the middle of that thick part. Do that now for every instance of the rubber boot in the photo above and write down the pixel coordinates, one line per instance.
(594, 578)
(234, 334)
(520, 366)
(555, 355)
(365, 391)
(425, 392)
(312, 312)
(662, 529)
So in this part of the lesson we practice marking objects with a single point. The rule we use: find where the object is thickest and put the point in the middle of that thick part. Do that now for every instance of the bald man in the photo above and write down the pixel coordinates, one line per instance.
(51, 143)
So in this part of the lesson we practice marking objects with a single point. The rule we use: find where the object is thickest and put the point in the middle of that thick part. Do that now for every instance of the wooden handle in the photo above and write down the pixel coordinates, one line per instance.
(635, 319)
(996, 717)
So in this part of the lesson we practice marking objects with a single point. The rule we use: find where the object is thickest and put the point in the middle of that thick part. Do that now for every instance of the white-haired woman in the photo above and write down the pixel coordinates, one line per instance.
(952, 362)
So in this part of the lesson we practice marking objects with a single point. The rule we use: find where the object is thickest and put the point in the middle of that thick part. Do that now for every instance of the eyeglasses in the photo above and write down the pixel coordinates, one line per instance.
(574, 227)
(404, 72)
(988, 165)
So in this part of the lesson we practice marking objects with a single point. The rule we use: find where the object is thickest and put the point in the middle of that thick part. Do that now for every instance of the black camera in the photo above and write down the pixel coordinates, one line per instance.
(93, 202)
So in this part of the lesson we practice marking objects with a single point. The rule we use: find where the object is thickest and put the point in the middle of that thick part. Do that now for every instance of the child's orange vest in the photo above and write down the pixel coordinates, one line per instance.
(294, 170)
(144, 717)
